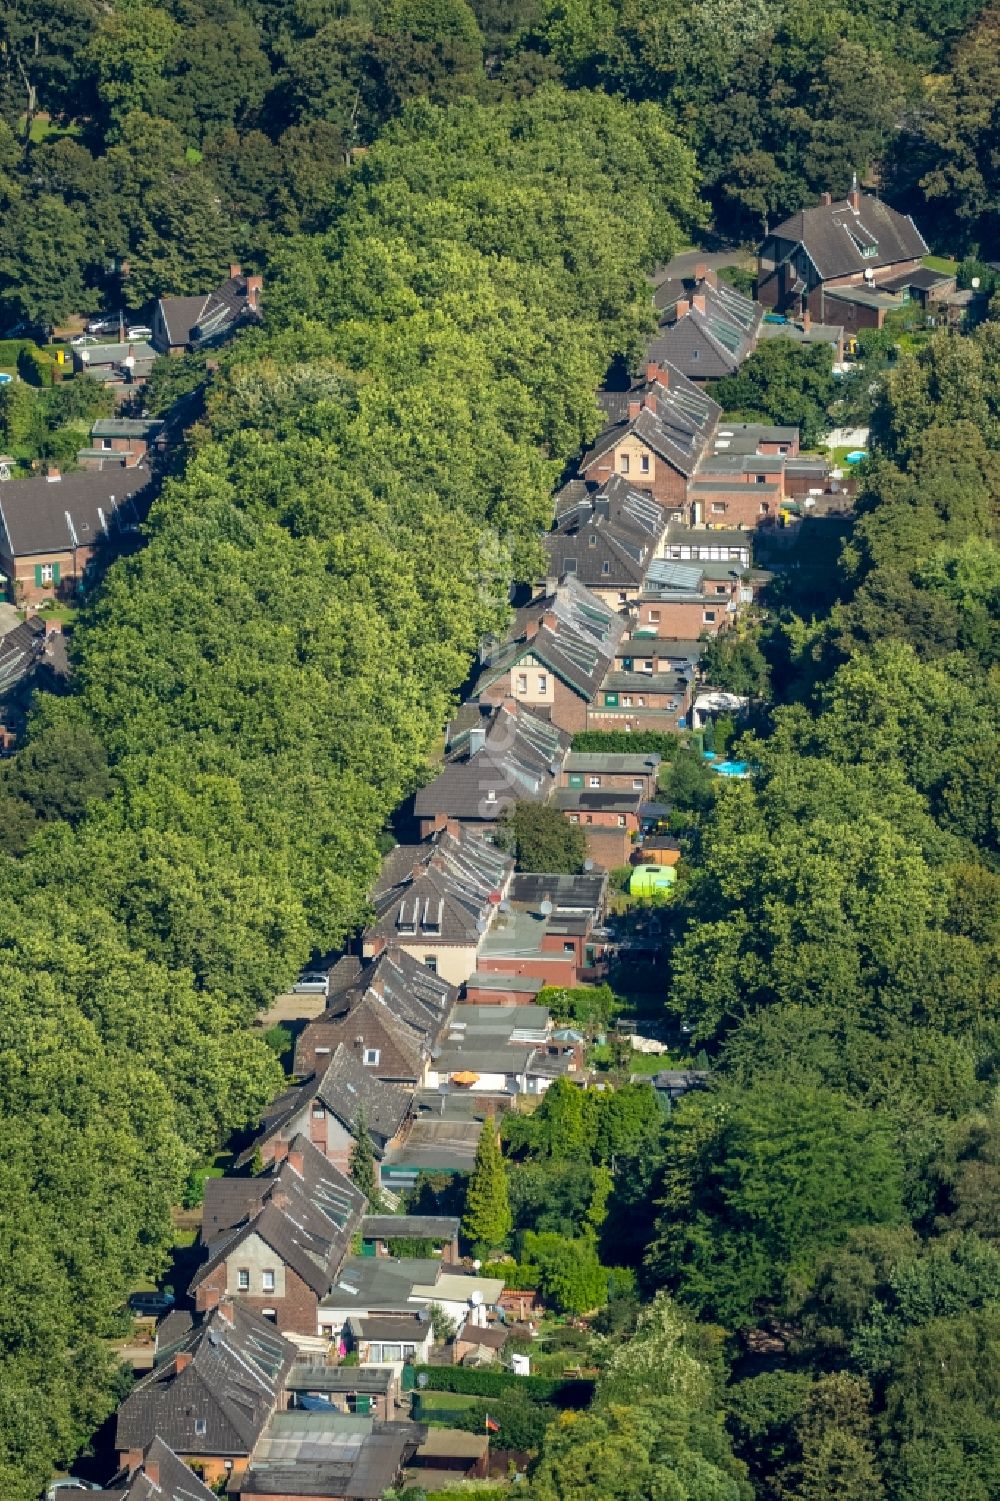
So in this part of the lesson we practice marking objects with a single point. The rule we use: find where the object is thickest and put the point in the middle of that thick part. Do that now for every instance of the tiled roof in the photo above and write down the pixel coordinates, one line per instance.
(513, 763)
(675, 421)
(306, 1212)
(835, 236)
(606, 538)
(394, 1003)
(202, 319)
(43, 515)
(173, 1481)
(705, 342)
(215, 1394)
(439, 890)
(570, 630)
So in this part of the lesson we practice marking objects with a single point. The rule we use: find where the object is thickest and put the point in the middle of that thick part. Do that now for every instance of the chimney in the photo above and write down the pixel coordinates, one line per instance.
(208, 1298)
(806, 320)
(151, 1470)
(825, 200)
(699, 271)
(531, 630)
(602, 508)
(854, 196)
(652, 372)
(650, 403)
(682, 309)
(53, 473)
(226, 1310)
(549, 620)
(634, 408)
(279, 1151)
(235, 269)
(255, 285)
(698, 302)
(182, 1361)
(297, 1162)
(52, 628)
(359, 1042)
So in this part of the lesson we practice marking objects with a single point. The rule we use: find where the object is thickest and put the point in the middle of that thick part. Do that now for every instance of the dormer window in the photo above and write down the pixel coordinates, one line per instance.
(593, 539)
(406, 918)
(371, 1057)
(431, 920)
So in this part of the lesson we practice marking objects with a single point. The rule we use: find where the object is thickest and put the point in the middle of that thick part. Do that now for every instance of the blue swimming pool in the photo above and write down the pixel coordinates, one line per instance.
(732, 768)
(855, 457)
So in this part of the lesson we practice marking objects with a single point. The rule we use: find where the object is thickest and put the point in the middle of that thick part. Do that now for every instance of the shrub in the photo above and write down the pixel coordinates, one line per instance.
(591, 1005)
(557, 1392)
(622, 742)
(36, 367)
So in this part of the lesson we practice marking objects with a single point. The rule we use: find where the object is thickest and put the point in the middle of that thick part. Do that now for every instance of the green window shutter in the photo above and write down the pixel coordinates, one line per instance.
(55, 574)
(611, 700)
(576, 779)
(38, 575)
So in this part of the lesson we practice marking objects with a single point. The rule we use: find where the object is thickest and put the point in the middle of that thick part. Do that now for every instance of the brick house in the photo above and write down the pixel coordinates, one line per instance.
(832, 259)
(52, 525)
(687, 600)
(605, 540)
(643, 701)
(707, 328)
(275, 1243)
(121, 442)
(499, 754)
(596, 771)
(556, 654)
(562, 945)
(210, 1401)
(158, 1474)
(184, 323)
(610, 821)
(435, 901)
(394, 1004)
(659, 441)
(324, 1108)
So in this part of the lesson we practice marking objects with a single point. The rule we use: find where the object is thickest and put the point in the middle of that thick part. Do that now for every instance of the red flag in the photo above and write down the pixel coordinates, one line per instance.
(491, 1427)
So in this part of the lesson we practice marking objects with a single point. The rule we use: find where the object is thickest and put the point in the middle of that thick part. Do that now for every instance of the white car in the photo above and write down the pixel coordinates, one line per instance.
(68, 1487)
(83, 339)
(140, 331)
(313, 982)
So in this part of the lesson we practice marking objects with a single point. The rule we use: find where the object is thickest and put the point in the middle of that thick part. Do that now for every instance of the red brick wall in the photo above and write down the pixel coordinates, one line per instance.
(742, 502)
(684, 621)
(295, 1312)
(613, 781)
(567, 709)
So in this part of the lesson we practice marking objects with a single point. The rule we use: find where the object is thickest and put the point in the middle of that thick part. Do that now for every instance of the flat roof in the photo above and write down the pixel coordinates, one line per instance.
(340, 1378)
(637, 763)
(453, 1287)
(453, 1443)
(518, 984)
(410, 1226)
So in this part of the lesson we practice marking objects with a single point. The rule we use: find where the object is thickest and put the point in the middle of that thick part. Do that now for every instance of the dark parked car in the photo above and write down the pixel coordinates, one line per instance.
(151, 1305)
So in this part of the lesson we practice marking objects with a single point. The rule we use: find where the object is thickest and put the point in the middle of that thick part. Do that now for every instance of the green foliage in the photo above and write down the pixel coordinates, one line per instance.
(785, 383)
(758, 1183)
(627, 742)
(362, 1166)
(487, 1218)
(570, 1277)
(559, 1392)
(35, 366)
(541, 838)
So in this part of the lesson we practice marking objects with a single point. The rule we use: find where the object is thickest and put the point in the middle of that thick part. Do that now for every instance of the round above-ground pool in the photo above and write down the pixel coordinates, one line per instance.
(855, 456)
(732, 768)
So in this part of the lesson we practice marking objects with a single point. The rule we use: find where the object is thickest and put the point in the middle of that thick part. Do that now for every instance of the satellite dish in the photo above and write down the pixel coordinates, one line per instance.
(129, 362)
(974, 284)
(546, 908)
(475, 1299)
(85, 356)
(588, 864)
(476, 1265)
(422, 1380)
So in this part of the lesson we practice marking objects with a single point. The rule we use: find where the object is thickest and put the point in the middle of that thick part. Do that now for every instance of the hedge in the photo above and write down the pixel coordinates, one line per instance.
(36, 367)
(520, 1276)
(559, 1391)
(625, 742)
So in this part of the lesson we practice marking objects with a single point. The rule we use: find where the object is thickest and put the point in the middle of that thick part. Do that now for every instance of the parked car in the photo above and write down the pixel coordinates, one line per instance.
(313, 982)
(139, 331)
(104, 323)
(82, 340)
(151, 1305)
(60, 1488)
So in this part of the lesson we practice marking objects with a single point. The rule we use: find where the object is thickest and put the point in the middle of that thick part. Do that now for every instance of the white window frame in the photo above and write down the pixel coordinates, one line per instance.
(265, 1285)
(370, 1057)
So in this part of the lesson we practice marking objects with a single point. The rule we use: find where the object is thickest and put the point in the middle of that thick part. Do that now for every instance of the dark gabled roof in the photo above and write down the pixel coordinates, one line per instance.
(306, 1212)
(492, 1337)
(205, 318)
(43, 515)
(174, 1480)
(440, 890)
(514, 763)
(675, 420)
(834, 235)
(343, 1087)
(232, 1369)
(569, 630)
(709, 341)
(368, 1024)
(20, 652)
(607, 538)
(922, 278)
